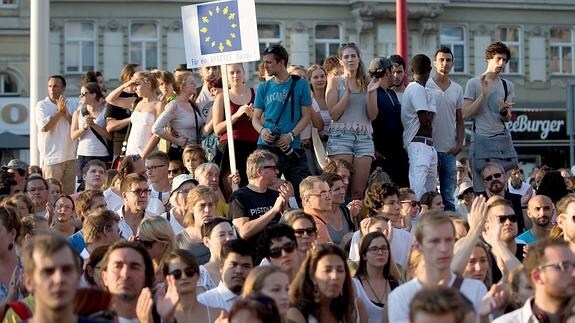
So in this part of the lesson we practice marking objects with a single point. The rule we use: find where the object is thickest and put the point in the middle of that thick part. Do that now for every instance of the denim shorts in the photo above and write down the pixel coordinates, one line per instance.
(345, 142)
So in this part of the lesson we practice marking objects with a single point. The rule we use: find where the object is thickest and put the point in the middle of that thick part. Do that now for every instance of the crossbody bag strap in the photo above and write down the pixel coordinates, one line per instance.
(505, 89)
(294, 79)
(102, 140)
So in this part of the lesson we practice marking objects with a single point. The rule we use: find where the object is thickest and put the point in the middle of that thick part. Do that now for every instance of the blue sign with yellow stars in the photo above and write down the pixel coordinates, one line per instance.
(219, 27)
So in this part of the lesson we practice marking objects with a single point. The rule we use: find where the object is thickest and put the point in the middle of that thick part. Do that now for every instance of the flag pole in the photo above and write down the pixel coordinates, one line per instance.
(229, 129)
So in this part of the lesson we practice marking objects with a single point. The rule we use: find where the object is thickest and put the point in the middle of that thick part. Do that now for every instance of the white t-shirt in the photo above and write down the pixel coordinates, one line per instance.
(176, 226)
(399, 299)
(444, 123)
(374, 312)
(114, 201)
(55, 146)
(415, 98)
(521, 191)
(401, 242)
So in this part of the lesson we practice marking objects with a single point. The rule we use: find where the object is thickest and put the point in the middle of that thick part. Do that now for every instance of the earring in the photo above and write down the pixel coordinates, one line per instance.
(316, 294)
(10, 246)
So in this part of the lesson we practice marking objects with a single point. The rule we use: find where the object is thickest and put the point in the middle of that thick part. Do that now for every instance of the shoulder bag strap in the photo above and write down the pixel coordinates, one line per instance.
(103, 141)
(457, 282)
(198, 132)
(294, 79)
(505, 89)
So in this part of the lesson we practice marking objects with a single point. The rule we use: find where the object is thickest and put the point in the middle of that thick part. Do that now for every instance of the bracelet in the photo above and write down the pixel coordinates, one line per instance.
(291, 134)
(262, 129)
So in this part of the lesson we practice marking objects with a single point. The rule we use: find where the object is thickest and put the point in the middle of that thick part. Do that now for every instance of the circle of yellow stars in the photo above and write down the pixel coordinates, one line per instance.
(232, 35)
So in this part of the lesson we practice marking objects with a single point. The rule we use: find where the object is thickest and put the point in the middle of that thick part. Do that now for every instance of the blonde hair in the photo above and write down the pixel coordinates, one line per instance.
(194, 196)
(147, 77)
(157, 228)
(256, 161)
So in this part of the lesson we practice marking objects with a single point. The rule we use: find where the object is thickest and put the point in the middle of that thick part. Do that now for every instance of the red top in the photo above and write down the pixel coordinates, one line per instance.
(242, 128)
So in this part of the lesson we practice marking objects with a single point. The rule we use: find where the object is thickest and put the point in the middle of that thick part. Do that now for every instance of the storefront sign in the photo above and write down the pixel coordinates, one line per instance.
(538, 124)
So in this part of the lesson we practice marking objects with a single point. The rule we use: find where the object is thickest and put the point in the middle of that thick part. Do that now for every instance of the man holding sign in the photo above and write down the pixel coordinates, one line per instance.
(285, 103)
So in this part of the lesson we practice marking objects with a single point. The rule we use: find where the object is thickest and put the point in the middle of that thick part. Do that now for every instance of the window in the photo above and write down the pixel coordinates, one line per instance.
(80, 51)
(561, 50)
(8, 85)
(453, 37)
(268, 33)
(8, 3)
(327, 41)
(511, 36)
(144, 44)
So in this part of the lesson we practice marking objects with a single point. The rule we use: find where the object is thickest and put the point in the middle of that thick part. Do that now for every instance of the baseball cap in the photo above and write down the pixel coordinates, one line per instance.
(180, 180)
(379, 64)
(16, 164)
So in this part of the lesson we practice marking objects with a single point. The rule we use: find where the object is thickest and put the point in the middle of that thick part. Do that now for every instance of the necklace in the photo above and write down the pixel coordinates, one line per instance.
(377, 298)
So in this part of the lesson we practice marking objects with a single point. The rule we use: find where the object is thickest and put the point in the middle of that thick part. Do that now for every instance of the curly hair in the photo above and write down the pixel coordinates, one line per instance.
(497, 48)
(376, 194)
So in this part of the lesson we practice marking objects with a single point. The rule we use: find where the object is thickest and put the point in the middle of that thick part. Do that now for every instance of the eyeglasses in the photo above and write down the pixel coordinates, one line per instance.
(564, 266)
(83, 94)
(376, 250)
(309, 231)
(141, 191)
(189, 272)
(411, 203)
(148, 244)
(511, 217)
(152, 168)
(274, 167)
(490, 177)
(323, 195)
(288, 248)
(392, 202)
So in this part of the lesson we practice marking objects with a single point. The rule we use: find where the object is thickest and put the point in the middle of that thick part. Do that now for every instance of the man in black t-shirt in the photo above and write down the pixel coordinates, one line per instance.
(254, 206)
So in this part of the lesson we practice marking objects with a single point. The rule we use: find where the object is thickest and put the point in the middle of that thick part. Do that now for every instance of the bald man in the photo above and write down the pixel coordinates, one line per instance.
(540, 210)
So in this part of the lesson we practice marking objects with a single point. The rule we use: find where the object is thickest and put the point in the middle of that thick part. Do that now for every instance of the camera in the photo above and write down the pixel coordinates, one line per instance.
(379, 73)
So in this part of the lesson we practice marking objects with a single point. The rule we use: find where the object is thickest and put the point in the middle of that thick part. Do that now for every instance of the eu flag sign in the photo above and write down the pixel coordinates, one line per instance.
(219, 27)
(220, 32)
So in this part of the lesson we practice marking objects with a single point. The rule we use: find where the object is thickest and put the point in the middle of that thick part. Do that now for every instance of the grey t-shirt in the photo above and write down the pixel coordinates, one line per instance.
(444, 123)
(487, 119)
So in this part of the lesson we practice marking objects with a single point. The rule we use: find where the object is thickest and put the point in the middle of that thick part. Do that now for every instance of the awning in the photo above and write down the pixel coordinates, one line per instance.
(9, 140)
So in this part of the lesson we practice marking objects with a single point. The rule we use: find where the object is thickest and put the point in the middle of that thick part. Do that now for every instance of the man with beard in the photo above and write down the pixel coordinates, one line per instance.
(238, 259)
(494, 181)
(126, 270)
(500, 233)
(52, 273)
(540, 211)
(398, 75)
(278, 245)
(549, 265)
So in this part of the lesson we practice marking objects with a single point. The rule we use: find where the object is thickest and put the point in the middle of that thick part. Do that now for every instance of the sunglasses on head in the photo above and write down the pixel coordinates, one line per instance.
(308, 231)
(288, 248)
(189, 272)
(348, 45)
(490, 177)
(511, 217)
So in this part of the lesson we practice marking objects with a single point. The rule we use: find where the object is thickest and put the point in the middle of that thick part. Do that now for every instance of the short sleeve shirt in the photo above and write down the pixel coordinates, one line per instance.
(415, 98)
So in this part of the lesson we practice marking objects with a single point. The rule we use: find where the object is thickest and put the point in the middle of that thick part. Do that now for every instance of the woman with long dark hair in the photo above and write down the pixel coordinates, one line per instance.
(322, 290)
(373, 280)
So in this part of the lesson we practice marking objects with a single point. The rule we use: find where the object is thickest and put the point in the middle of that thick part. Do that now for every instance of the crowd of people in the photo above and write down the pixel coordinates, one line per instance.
(348, 203)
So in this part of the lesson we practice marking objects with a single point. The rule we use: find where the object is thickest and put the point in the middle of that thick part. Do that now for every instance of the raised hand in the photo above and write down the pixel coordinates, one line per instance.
(167, 300)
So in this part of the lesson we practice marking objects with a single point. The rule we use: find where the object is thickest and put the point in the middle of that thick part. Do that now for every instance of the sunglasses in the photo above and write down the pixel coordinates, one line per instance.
(348, 45)
(148, 244)
(511, 217)
(490, 177)
(308, 231)
(411, 203)
(288, 248)
(189, 272)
